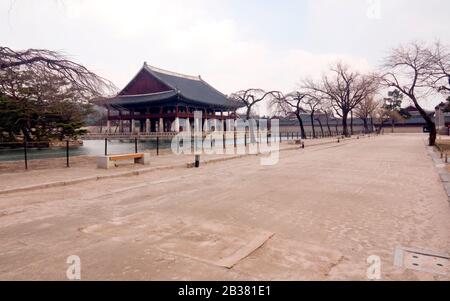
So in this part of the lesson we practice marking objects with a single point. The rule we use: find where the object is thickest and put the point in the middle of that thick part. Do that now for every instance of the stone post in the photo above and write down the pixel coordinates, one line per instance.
(108, 126)
(177, 124)
(121, 126)
(187, 125)
(161, 125)
(132, 126)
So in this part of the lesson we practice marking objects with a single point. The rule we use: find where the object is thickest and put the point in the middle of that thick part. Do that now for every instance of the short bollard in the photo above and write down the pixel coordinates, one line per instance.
(157, 146)
(25, 151)
(303, 145)
(197, 161)
(339, 140)
(67, 154)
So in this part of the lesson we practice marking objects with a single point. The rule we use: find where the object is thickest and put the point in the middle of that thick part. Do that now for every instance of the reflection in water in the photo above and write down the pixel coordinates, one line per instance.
(90, 148)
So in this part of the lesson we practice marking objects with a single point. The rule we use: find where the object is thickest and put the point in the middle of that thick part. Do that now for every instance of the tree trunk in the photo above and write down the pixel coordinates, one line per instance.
(251, 128)
(351, 122)
(366, 126)
(26, 133)
(431, 125)
(312, 124)
(383, 122)
(328, 124)
(345, 124)
(321, 127)
(302, 127)
(433, 133)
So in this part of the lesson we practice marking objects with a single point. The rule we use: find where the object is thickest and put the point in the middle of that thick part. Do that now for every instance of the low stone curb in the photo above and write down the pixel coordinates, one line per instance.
(148, 170)
(88, 179)
(444, 175)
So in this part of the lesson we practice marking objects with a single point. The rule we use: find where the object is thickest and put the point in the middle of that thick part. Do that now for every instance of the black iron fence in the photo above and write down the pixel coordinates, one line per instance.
(26, 146)
(155, 144)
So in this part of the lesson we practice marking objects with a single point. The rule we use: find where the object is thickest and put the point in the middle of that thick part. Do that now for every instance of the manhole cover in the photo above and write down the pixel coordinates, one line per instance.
(422, 260)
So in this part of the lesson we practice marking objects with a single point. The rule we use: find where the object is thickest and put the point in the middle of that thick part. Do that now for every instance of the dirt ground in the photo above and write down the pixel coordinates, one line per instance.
(316, 215)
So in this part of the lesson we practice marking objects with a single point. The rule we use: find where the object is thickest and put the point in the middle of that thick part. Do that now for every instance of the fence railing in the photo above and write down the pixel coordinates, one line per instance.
(160, 141)
(27, 145)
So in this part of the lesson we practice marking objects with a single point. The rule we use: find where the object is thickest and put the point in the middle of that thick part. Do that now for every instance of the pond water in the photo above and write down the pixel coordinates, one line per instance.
(90, 148)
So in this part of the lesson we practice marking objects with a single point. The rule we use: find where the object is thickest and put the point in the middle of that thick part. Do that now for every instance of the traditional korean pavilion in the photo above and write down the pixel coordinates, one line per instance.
(157, 100)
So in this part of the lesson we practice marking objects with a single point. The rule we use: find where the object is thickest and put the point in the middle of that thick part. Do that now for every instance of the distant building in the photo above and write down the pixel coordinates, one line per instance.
(158, 100)
(290, 124)
(442, 117)
(413, 124)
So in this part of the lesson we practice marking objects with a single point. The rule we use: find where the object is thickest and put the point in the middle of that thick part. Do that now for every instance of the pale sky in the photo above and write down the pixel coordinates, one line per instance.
(232, 44)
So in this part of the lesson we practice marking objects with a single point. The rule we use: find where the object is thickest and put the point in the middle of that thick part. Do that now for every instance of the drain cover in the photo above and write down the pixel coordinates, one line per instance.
(422, 260)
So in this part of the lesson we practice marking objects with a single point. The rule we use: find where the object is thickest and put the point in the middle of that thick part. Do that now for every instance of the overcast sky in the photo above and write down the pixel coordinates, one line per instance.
(233, 44)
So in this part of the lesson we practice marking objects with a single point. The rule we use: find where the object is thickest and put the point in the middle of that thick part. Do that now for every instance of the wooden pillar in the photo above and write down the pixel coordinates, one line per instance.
(120, 122)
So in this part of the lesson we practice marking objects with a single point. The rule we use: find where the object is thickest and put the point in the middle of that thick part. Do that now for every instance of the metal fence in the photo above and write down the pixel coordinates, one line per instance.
(155, 144)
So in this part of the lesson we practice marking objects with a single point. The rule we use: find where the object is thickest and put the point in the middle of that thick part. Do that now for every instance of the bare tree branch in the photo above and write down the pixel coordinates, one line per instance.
(409, 69)
(250, 98)
(344, 88)
(44, 62)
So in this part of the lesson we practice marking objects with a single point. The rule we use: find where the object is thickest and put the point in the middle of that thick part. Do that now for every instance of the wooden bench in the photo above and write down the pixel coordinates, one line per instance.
(106, 162)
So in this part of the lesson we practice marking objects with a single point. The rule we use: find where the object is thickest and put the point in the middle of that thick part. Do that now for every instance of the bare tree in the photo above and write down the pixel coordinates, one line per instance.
(351, 122)
(312, 103)
(290, 103)
(250, 98)
(384, 114)
(42, 62)
(440, 69)
(365, 110)
(345, 89)
(408, 70)
(49, 93)
(328, 113)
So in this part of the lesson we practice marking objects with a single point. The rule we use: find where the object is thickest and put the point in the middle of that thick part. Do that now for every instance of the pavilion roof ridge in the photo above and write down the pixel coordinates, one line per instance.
(167, 72)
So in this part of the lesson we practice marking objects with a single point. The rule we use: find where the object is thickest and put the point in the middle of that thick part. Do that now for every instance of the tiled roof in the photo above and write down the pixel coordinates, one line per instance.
(189, 88)
(192, 88)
